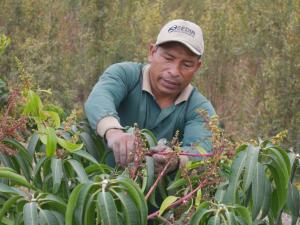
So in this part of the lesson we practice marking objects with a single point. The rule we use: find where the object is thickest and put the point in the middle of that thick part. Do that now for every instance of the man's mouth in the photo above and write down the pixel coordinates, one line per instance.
(170, 84)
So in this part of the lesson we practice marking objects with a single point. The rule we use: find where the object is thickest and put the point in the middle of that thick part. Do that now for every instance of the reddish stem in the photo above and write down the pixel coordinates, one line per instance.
(157, 180)
(181, 153)
(181, 200)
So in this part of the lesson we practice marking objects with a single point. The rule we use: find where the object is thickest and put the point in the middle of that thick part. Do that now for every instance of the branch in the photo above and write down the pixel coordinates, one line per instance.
(181, 200)
(157, 180)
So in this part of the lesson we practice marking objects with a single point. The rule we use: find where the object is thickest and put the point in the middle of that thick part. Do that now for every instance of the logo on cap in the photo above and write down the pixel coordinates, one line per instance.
(182, 29)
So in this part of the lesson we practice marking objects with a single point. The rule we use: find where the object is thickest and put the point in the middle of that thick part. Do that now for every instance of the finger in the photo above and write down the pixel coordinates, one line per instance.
(158, 169)
(116, 151)
(158, 148)
(130, 150)
(160, 159)
(123, 154)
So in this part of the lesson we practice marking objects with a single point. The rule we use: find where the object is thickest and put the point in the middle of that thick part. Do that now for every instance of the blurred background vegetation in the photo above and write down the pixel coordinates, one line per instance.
(251, 65)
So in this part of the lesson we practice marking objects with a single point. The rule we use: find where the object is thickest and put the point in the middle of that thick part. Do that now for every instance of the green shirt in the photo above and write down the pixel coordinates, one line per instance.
(119, 93)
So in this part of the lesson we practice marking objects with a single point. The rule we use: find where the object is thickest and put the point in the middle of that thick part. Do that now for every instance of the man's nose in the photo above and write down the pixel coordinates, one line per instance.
(175, 69)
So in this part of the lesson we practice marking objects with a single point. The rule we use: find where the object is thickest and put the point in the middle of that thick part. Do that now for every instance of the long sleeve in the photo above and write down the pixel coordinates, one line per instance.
(109, 91)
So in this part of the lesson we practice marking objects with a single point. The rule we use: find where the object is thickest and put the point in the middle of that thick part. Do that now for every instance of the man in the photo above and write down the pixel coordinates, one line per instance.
(157, 96)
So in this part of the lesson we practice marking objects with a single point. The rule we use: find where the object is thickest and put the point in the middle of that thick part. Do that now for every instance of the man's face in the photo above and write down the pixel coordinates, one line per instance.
(172, 67)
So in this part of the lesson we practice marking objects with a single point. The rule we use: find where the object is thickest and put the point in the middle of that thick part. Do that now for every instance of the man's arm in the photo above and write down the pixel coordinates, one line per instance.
(101, 109)
(196, 130)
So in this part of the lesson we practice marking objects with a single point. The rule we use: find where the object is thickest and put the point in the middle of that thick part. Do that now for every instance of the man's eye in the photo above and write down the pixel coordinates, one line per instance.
(188, 65)
(168, 58)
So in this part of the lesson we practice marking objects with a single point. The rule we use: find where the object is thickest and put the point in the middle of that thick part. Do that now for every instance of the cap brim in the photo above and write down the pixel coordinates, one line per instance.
(182, 42)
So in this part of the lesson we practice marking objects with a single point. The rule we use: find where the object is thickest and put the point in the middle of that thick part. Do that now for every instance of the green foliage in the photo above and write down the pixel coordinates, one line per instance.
(58, 177)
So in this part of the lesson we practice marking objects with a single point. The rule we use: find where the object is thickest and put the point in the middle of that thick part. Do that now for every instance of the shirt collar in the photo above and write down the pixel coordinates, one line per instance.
(184, 95)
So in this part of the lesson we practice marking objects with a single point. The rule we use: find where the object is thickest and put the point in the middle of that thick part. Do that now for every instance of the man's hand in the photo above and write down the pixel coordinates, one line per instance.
(160, 160)
(122, 144)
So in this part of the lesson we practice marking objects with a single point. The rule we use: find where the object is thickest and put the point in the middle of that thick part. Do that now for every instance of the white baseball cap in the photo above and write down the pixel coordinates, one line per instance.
(185, 32)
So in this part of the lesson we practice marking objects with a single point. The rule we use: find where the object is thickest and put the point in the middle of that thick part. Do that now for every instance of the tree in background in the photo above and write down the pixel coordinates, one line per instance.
(251, 62)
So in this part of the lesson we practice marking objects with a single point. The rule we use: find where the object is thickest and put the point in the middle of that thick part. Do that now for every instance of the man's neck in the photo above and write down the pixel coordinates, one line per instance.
(164, 101)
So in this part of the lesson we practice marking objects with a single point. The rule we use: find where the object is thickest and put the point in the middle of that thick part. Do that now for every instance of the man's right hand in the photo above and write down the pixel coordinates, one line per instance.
(122, 144)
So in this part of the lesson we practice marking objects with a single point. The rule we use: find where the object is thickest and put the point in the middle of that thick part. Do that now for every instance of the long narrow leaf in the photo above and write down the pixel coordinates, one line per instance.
(81, 175)
(72, 204)
(57, 173)
(251, 162)
(86, 155)
(137, 196)
(129, 209)
(8, 204)
(47, 218)
(258, 188)
(90, 211)
(14, 177)
(32, 143)
(81, 202)
(107, 209)
(236, 171)
(267, 199)
(293, 203)
(51, 142)
(30, 212)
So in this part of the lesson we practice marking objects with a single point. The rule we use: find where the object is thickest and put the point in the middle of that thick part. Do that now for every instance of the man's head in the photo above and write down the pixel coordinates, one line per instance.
(175, 57)
(184, 32)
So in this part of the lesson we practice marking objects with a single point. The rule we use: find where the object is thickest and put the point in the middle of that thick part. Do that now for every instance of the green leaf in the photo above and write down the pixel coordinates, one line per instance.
(96, 168)
(236, 171)
(244, 214)
(8, 204)
(107, 208)
(72, 204)
(32, 143)
(82, 176)
(251, 162)
(20, 180)
(23, 158)
(258, 188)
(94, 147)
(30, 212)
(267, 199)
(10, 190)
(81, 202)
(221, 191)
(129, 209)
(199, 214)
(33, 106)
(214, 220)
(176, 184)
(47, 218)
(54, 117)
(37, 169)
(53, 202)
(6, 221)
(89, 212)
(57, 173)
(86, 156)
(293, 203)
(150, 138)
(69, 146)
(166, 203)
(137, 196)
(150, 172)
(198, 198)
(51, 142)
(59, 217)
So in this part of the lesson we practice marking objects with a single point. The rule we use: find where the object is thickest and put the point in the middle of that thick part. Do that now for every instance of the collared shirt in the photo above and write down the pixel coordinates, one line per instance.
(123, 96)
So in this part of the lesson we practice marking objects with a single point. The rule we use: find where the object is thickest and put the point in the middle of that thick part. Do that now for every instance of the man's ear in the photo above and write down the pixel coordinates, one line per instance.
(199, 63)
(152, 50)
